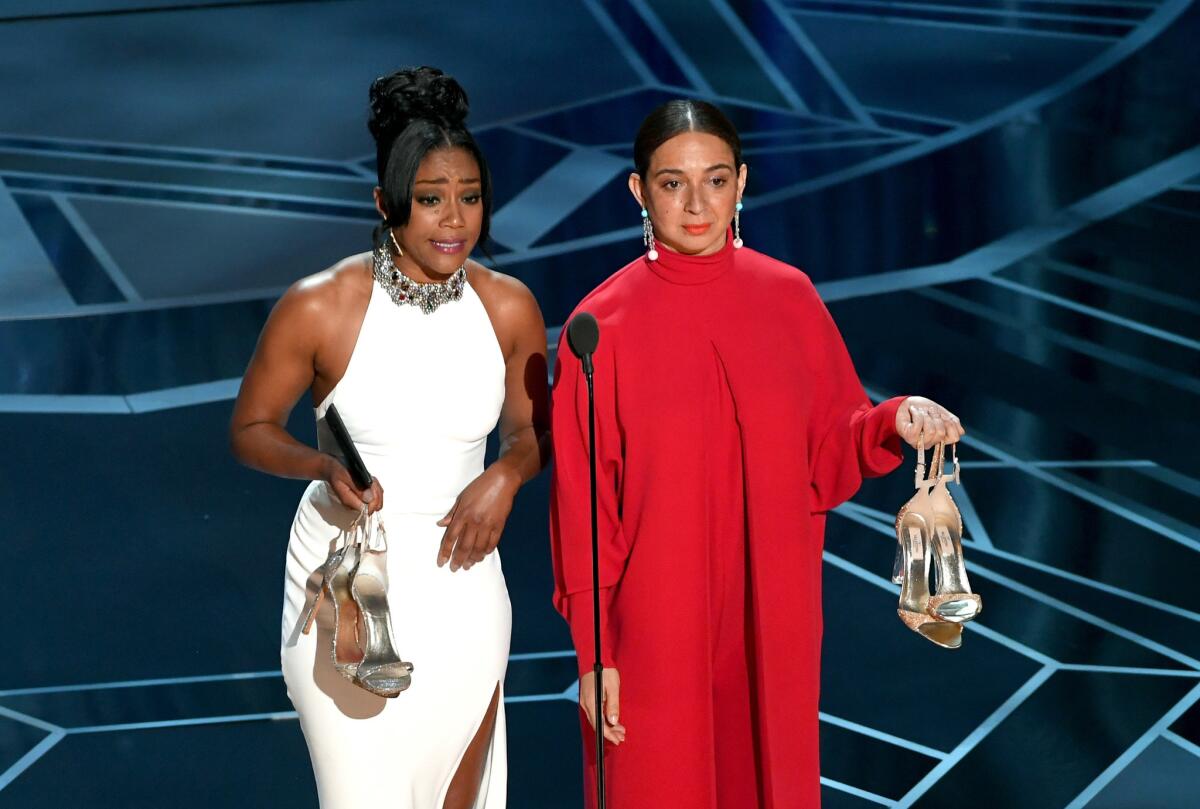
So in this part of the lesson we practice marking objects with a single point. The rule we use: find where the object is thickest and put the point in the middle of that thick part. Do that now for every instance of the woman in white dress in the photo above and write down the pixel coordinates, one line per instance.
(423, 351)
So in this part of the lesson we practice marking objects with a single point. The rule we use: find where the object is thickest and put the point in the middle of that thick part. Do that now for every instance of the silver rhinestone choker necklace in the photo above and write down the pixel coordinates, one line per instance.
(402, 289)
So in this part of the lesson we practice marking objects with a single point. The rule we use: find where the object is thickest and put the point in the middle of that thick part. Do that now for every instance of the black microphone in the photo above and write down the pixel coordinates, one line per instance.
(583, 335)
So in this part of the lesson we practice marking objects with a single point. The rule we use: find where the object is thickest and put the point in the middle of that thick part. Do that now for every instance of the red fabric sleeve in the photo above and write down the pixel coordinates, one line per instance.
(570, 497)
(578, 612)
(848, 438)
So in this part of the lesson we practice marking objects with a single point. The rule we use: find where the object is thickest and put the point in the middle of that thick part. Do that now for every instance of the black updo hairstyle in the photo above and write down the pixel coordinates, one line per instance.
(413, 111)
(679, 116)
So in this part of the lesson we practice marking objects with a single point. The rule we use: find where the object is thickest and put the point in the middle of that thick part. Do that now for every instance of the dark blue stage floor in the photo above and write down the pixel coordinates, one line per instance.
(1000, 199)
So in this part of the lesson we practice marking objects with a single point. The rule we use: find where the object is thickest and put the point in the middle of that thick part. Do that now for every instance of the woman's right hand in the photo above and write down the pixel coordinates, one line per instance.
(614, 731)
(350, 496)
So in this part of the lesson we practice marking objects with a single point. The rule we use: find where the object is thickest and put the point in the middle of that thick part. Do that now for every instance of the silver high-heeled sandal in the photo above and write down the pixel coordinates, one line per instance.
(345, 648)
(360, 643)
(381, 671)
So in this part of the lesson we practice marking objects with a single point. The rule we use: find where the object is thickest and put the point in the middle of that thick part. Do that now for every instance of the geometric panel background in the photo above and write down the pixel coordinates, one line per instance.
(999, 201)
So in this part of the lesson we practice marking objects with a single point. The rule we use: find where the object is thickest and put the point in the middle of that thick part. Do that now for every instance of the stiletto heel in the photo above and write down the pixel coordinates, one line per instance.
(914, 525)
(345, 648)
(918, 481)
(954, 600)
(354, 578)
(347, 644)
(381, 670)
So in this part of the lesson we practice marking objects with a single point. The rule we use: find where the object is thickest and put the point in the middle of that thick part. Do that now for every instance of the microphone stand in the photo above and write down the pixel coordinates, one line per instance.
(598, 666)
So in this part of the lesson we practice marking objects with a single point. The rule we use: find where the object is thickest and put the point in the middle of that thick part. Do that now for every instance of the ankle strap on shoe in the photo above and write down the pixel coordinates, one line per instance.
(939, 463)
(367, 532)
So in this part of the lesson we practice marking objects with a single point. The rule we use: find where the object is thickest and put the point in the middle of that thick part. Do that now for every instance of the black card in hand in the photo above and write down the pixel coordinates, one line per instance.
(354, 461)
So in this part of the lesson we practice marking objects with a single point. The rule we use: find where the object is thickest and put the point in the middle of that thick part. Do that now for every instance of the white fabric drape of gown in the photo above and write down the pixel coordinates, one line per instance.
(419, 396)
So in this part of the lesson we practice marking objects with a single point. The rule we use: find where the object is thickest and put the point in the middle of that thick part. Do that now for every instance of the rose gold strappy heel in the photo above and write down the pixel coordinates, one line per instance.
(954, 600)
(914, 533)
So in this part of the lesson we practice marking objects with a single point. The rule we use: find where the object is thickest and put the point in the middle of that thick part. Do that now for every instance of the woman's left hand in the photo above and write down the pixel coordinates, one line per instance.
(476, 520)
(923, 421)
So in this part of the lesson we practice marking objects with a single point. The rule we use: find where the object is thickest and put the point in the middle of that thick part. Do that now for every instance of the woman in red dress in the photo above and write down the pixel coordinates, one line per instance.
(729, 421)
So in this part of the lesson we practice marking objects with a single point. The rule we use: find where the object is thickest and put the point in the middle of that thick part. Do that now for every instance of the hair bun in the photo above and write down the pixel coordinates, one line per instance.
(415, 93)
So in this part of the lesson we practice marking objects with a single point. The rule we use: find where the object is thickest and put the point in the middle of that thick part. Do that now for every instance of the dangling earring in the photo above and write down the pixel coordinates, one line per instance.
(648, 236)
(737, 225)
(399, 250)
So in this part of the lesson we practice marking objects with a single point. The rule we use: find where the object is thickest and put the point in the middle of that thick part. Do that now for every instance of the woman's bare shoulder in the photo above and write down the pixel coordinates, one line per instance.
(501, 293)
(509, 303)
(329, 292)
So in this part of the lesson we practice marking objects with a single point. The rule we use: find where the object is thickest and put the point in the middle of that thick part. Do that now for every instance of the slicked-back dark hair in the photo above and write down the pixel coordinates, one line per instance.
(679, 116)
(414, 111)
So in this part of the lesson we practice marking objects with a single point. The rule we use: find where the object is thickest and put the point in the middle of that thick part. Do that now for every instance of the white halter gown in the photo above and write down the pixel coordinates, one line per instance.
(419, 397)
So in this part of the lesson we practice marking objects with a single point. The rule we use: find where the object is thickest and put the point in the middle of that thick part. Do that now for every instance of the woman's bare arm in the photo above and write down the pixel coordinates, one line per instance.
(474, 524)
(283, 367)
(525, 417)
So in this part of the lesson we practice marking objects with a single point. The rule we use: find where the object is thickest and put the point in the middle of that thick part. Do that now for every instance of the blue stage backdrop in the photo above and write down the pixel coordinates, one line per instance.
(999, 199)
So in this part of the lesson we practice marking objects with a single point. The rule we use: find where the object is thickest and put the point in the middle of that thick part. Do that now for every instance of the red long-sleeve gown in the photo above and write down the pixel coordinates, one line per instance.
(729, 420)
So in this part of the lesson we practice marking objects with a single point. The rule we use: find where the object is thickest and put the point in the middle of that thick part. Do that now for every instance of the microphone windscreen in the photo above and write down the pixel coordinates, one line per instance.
(583, 334)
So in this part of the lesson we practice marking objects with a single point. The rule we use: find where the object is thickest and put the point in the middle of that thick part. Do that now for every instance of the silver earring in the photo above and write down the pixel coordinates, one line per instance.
(399, 250)
(737, 225)
(648, 236)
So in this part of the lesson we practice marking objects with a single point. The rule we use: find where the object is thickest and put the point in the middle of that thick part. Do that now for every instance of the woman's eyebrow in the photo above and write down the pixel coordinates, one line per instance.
(443, 181)
(680, 171)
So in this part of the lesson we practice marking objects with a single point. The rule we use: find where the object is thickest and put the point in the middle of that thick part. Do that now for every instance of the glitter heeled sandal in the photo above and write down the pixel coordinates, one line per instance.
(345, 648)
(381, 671)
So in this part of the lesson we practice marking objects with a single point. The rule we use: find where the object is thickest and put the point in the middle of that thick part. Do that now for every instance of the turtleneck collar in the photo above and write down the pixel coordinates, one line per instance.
(679, 268)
